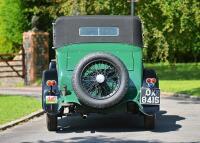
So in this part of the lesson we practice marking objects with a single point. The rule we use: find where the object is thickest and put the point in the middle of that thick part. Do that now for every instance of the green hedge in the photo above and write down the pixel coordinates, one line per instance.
(12, 25)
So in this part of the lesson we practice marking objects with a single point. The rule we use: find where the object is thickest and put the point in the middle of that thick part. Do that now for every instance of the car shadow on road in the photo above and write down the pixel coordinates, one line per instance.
(167, 123)
(125, 122)
(96, 139)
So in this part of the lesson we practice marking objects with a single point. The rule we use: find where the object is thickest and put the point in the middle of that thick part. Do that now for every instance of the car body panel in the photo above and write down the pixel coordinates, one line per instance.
(69, 56)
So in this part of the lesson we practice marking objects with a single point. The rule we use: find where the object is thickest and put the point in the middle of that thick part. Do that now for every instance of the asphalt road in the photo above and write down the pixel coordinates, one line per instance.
(23, 91)
(178, 121)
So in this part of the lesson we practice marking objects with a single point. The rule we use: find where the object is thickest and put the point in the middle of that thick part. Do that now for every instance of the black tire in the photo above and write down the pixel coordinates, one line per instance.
(51, 121)
(84, 97)
(149, 122)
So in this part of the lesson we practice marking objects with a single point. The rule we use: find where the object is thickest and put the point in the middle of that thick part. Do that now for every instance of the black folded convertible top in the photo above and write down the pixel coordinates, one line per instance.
(66, 30)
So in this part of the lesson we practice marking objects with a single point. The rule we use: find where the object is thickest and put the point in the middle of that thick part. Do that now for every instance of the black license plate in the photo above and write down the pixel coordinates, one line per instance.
(150, 96)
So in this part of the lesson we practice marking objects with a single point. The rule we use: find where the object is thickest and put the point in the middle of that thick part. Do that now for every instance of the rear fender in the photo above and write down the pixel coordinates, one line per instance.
(50, 94)
(149, 109)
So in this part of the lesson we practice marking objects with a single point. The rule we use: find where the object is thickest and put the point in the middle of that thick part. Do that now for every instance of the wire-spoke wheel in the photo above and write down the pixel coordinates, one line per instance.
(100, 80)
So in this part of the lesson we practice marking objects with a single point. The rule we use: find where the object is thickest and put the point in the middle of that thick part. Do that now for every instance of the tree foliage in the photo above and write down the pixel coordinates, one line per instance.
(171, 28)
(11, 25)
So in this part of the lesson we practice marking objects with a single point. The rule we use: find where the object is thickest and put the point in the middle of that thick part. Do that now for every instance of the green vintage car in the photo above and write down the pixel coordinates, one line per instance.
(99, 69)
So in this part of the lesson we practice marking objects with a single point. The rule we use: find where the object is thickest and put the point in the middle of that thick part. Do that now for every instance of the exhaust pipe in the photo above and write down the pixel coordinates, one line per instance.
(84, 116)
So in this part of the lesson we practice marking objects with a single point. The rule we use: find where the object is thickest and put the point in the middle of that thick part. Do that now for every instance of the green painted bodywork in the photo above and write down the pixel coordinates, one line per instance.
(67, 57)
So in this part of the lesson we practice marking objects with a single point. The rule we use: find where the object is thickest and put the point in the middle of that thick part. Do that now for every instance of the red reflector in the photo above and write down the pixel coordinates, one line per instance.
(51, 82)
(148, 80)
(151, 80)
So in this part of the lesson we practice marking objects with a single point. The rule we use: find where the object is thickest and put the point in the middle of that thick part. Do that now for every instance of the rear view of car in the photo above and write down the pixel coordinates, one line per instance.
(99, 69)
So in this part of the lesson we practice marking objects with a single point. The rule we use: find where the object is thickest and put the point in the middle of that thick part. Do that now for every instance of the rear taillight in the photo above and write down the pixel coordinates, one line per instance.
(51, 83)
(151, 80)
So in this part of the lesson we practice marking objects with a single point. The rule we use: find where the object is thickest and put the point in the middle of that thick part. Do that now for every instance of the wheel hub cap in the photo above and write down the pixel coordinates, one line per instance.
(100, 78)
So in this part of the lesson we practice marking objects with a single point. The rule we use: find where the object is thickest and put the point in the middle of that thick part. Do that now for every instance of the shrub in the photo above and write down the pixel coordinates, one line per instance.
(11, 25)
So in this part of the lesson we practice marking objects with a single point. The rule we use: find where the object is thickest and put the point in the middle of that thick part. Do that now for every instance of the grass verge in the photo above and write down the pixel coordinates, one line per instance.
(179, 78)
(15, 107)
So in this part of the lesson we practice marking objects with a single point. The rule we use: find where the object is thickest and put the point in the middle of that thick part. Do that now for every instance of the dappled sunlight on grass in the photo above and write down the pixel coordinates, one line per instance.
(189, 71)
(179, 78)
(191, 87)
